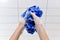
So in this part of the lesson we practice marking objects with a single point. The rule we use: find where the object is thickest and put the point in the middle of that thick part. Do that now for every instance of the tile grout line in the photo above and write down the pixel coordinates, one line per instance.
(44, 23)
(18, 10)
(46, 12)
(23, 8)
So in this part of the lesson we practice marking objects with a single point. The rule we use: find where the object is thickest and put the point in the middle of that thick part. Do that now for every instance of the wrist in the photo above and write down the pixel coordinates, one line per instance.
(38, 26)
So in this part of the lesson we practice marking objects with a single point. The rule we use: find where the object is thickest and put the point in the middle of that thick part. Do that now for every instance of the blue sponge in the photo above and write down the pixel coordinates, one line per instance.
(30, 25)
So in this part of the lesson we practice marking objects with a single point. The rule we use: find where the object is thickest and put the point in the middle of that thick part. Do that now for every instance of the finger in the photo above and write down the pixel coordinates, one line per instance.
(33, 15)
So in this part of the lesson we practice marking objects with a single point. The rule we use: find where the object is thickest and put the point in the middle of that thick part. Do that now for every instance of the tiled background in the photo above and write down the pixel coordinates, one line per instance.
(11, 9)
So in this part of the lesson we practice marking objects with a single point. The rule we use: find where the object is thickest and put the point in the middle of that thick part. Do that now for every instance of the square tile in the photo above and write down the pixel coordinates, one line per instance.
(10, 26)
(53, 31)
(4, 38)
(28, 3)
(8, 19)
(8, 12)
(53, 26)
(6, 30)
(8, 15)
(54, 35)
(53, 11)
(8, 3)
(53, 19)
(53, 3)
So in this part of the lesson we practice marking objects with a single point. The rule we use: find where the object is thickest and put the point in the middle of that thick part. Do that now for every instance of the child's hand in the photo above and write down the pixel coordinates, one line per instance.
(36, 19)
(22, 20)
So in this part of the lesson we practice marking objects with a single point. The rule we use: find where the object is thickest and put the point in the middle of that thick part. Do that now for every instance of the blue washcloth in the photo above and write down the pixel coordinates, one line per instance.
(30, 25)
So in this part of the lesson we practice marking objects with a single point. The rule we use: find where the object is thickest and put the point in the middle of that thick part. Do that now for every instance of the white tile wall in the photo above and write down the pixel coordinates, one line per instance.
(10, 11)
(8, 18)
(53, 19)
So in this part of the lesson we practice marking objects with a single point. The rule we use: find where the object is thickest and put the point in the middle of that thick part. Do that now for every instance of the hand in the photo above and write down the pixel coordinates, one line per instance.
(39, 27)
(22, 20)
(36, 19)
(19, 29)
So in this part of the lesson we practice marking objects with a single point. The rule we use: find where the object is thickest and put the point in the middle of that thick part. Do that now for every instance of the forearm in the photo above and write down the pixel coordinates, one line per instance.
(41, 32)
(17, 33)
